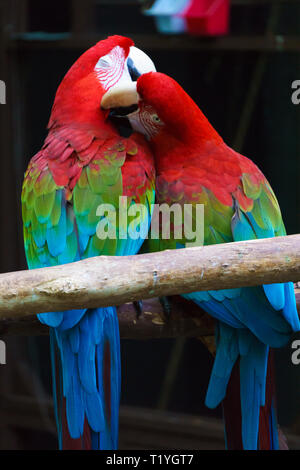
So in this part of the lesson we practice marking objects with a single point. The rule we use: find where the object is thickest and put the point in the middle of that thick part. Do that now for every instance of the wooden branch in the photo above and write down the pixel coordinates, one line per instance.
(186, 320)
(113, 280)
(157, 42)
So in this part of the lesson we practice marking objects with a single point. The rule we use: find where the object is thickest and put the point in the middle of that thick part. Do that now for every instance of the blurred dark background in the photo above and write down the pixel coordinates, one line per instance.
(242, 82)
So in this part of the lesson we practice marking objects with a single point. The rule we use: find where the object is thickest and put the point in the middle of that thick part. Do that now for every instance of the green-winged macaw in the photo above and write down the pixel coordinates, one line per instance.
(83, 165)
(195, 166)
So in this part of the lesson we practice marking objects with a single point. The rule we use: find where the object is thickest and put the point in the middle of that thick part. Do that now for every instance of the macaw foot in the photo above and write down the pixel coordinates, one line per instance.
(166, 305)
(138, 307)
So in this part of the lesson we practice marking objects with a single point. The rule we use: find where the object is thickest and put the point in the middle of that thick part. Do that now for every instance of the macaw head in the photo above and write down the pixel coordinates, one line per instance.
(164, 111)
(110, 62)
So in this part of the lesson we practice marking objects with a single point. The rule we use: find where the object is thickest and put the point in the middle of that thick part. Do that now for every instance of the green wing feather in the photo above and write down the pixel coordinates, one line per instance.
(59, 228)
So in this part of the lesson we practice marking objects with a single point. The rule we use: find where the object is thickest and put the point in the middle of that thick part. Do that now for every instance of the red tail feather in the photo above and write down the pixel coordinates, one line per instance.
(232, 411)
(265, 411)
(82, 443)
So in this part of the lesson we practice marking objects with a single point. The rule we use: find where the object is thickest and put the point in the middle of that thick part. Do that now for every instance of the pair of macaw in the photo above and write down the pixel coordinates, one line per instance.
(84, 163)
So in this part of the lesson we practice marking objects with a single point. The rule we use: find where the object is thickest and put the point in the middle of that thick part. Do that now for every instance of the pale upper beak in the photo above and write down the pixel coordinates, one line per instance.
(121, 95)
(124, 94)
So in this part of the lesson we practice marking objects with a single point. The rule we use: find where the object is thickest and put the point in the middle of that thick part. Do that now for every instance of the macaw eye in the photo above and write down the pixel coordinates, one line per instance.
(103, 63)
(155, 119)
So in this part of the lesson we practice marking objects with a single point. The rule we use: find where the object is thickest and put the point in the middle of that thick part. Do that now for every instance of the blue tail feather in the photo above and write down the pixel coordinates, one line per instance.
(81, 350)
(226, 356)
(233, 344)
(253, 370)
(250, 320)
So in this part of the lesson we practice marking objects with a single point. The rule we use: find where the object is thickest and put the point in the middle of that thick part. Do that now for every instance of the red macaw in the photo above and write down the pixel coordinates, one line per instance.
(84, 164)
(195, 166)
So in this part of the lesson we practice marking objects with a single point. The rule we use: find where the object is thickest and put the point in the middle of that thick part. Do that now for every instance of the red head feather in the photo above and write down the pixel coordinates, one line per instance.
(176, 109)
(79, 94)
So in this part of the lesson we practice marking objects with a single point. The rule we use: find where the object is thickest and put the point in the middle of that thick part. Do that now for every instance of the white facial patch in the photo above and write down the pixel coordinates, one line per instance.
(111, 68)
(136, 124)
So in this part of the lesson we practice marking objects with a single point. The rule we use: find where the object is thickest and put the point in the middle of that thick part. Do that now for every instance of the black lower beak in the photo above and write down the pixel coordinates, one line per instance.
(120, 121)
(118, 116)
(122, 112)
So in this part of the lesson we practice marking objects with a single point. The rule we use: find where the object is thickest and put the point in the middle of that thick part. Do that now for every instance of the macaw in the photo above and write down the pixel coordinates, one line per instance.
(84, 164)
(195, 166)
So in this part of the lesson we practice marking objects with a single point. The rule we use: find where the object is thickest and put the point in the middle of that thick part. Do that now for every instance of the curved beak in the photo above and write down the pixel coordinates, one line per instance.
(123, 95)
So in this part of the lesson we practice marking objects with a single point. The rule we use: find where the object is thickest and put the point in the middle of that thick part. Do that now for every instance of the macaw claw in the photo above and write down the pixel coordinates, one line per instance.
(166, 305)
(138, 307)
